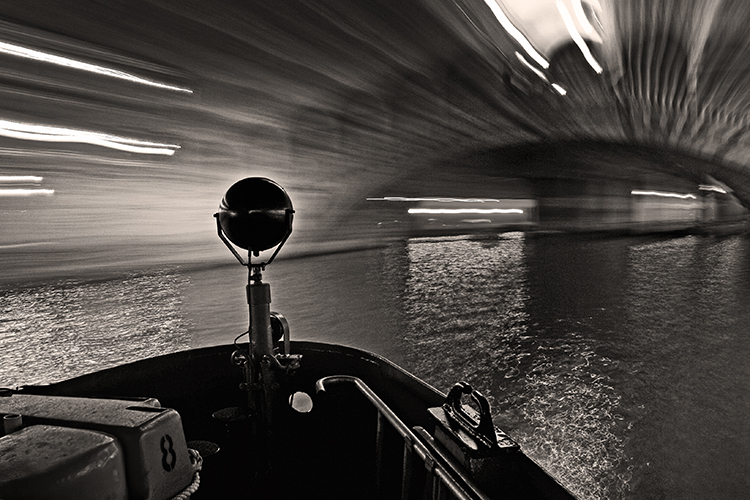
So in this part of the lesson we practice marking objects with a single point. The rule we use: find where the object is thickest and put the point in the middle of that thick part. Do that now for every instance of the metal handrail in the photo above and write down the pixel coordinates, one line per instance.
(411, 443)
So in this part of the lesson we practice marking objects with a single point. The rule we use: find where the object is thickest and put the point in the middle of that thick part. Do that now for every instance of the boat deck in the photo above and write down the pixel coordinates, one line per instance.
(369, 434)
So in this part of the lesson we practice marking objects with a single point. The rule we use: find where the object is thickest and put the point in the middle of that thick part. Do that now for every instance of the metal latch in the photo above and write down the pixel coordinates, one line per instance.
(469, 433)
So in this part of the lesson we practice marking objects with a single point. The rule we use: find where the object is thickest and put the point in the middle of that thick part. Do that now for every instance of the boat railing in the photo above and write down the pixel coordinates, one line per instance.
(447, 480)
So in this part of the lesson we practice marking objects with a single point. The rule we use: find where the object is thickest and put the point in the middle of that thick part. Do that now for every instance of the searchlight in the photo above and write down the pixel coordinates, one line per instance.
(256, 215)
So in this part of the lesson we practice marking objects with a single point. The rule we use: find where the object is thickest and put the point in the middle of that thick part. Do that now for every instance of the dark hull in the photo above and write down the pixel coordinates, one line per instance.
(329, 452)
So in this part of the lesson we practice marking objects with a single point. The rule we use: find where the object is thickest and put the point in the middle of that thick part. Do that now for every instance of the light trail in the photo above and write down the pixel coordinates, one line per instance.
(37, 55)
(24, 179)
(441, 200)
(515, 33)
(44, 133)
(465, 211)
(663, 194)
(577, 38)
(25, 192)
(531, 66)
(709, 187)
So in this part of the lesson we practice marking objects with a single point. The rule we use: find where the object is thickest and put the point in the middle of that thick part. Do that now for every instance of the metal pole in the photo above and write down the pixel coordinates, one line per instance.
(262, 377)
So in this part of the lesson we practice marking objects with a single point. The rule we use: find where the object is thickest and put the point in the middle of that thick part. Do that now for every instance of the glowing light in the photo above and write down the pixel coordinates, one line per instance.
(45, 133)
(37, 55)
(709, 187)
(25, 245)
(568, 20)
(465, 211)
(663, 194)
(26, 192)
(476, 221)
(559, 89)
(21, 178)
(513, 31)
(441, 200)
(530, 66)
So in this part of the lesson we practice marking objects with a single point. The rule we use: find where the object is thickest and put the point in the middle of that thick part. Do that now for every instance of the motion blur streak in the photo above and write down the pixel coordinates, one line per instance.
(662, 194)
(55, 134)
(581, 16)
(26, 192)
(465, 211)
(513, 31)
(441, 200)
(708, 187)
(577, 38)
(530, 66)
(21, 178)
(19, 51)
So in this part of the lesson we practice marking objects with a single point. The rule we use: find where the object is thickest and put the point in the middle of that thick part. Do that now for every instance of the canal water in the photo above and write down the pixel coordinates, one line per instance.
(620, 363)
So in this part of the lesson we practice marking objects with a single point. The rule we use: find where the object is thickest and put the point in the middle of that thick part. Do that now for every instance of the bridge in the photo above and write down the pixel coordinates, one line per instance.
(130, 118)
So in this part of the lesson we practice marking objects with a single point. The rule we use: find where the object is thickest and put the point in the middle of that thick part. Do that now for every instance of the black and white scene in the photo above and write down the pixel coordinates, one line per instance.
(381, 249)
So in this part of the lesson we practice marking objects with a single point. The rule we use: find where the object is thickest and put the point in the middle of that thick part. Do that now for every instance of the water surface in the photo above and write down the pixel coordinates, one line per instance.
(620, 364)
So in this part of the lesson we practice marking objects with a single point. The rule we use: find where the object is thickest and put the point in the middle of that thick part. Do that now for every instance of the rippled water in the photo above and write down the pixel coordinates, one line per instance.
(470, 303)
(49, 332)
(620, 364)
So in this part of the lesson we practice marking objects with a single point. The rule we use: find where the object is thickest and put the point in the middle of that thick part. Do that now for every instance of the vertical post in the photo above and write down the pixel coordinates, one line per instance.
(406, 469)
(261, 377)
(259, 300)
(261, 341)
(379, 444)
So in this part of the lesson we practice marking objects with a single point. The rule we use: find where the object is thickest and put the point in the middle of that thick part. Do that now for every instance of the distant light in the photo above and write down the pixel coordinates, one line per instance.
(513, 31)
(14, 246)
(37, 55)
(476, 221)
(530, 66)
(26, 179)
(441, 200)
(559, 89)
(9, 180)
(663, 194)
(28, 131)
(465, 211)
(577, 38)
(709, 187)
(26, 192)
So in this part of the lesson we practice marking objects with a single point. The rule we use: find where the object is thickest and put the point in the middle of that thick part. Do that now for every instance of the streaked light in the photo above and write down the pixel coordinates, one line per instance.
(513, 31)
(559, 89)
(25, 179)
(709, 187)
(577, 38)
(531, 66)
(441, 200)
(26, 192)
(476, 221)
(663, 194)
(14, 246)
(465, 211)
(46, 133)
(582, 19)
(37, 55)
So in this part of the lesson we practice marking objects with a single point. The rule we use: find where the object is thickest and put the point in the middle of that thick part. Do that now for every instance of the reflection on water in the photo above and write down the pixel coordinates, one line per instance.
(467, 304)
(50, 332)
(620, 364)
